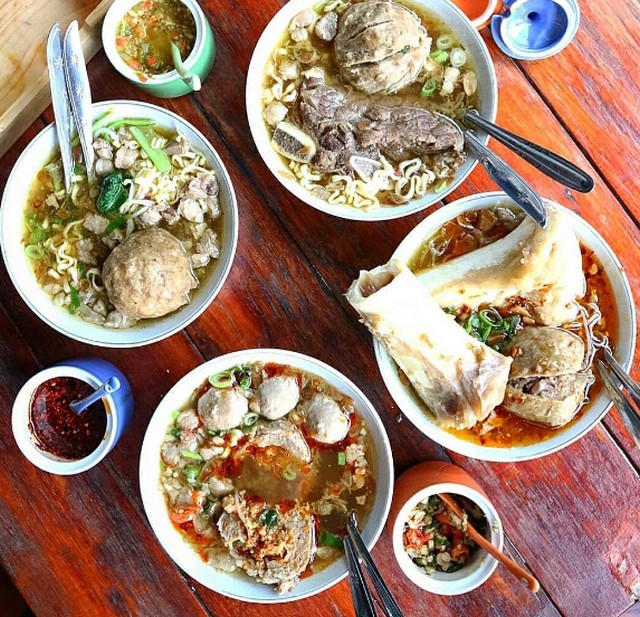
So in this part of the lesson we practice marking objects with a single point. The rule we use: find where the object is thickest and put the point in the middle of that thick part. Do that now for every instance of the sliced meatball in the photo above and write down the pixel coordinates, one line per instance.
(325, 421)
(222, 410)
(283, 434)
(148, 275)
(276, 397)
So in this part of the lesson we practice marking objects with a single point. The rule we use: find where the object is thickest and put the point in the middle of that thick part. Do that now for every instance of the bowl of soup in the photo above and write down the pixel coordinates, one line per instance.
(487, 329)
(137, 36)
(343, 101)
(137, 249)
(250, 466)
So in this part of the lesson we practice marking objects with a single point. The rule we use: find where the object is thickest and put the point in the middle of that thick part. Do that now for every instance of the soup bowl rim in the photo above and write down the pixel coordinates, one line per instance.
(108, 33)
(261, 134)
(242, 587)
(142, 333)
(598, 408)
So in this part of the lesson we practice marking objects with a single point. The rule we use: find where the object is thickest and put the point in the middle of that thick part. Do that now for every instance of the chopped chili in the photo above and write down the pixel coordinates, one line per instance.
(58, 429)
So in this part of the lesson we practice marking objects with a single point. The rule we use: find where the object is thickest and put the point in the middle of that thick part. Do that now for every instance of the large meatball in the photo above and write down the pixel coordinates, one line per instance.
(380, 46)
(148, 275)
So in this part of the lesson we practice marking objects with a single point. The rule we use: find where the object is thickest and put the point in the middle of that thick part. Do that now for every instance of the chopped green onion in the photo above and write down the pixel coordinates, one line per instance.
(342, 459)
(458, 57)
(444, 41)
(250, 419)
(440, 56)
(192, 455)
(513, 323)
(269, 518)
(174, 414)
(429, 88)
(441, 186)
(78, 169)
(491, 317)
(223, 379)
(212, 432)
(82, 270)
(176, 431)
(156, 155)
(34, 251)
(75, 299)
(289, 474)
(405, 49)
(483, 331)
(116, 224)
(245, 381)
(326, 538)
(192, 473)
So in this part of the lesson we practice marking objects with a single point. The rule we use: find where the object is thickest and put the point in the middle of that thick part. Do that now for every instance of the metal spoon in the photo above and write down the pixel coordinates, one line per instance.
(504, 176)
(481, 541)
(108, 387)
(549, 163)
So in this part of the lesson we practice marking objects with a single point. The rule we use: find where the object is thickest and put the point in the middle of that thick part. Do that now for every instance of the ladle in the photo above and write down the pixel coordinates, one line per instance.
(191, 79)
(108, 387)
(481, 541)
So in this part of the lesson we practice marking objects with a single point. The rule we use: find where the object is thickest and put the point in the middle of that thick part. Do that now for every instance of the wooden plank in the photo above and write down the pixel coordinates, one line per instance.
(593, 85)
(23, 66)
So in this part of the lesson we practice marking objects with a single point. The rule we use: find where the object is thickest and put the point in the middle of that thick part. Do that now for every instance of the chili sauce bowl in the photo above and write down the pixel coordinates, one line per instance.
(15, 198)
(487, 105)
(418, 484)
(170, 84)
(118, 408)
(623, 341)
(238, 585)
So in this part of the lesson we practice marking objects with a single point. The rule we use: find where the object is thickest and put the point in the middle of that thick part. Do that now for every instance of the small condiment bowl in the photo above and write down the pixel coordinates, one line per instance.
(118, 406)
(170, 84)
(418, 484)
(479, 12)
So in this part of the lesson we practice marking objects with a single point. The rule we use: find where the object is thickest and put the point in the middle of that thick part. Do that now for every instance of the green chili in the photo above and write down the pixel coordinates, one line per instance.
(224, 379)
(156, 155)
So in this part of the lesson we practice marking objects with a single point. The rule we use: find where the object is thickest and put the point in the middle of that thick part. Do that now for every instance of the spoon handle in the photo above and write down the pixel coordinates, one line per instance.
(549, 163)
(480, 540)
(508, 180)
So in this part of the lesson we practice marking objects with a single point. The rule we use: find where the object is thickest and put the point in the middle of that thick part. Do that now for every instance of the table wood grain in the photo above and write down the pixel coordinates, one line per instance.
(82, 545)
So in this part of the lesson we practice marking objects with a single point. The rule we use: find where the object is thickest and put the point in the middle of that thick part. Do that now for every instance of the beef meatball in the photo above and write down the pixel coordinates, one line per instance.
(380, 46)
(148, 275)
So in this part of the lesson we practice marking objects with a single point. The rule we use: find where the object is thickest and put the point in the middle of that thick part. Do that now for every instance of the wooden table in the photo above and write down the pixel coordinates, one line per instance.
(82, 546)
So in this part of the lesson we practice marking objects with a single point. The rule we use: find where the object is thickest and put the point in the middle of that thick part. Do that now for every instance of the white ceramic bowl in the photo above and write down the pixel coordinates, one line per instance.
(240, 586)
(449, 14)
(14, 200)
(418, 484)
(119, 408)
(624, 344)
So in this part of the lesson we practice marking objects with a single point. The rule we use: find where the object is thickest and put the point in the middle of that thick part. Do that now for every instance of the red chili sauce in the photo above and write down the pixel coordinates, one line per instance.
(57, 428)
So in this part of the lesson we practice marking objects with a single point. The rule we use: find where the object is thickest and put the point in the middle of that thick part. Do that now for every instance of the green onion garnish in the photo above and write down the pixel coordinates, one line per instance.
(326, 538)
(444, 41)
(250, 419)
(192, 473)
(176, 432)
(440, 56)
(342, 459)
(75, 299)
(223, 379)
(245, 381)
(289, 474)
(441, 186)
(429, 88)
(192, 455)
(491, 317)
(34, 251)
(116, 223)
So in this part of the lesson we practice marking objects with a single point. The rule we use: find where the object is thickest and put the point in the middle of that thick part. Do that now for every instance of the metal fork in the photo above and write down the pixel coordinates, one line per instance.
(624, 393)
(70, 96)
(356, 551)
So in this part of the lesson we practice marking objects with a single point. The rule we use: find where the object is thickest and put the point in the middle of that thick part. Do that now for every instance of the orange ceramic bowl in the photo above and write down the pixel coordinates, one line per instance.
(479, 12)
(416, 485)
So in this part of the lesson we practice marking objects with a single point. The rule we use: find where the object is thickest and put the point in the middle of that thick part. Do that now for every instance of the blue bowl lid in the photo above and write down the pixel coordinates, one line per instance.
(535, 29)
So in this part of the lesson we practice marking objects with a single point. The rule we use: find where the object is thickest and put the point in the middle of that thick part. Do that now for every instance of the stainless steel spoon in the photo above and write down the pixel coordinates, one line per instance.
(504, 176)
(108, 387)
(549, 163)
